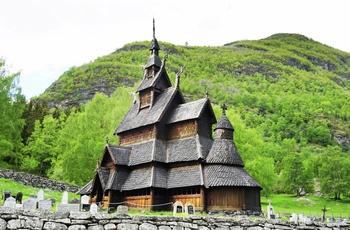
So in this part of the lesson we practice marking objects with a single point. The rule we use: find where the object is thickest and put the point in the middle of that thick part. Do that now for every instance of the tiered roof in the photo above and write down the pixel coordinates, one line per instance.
(196, 160)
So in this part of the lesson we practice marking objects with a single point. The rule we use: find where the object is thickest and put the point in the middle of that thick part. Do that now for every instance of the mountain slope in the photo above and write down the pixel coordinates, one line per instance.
(285, 86)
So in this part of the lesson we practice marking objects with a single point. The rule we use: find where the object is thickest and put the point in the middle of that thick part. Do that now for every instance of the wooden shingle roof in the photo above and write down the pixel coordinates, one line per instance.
(227, 175)
(190, 110)
(138, 118)
(86, 189)
(119, 154)
(103, 174)
(224, 123)
(185, 176)
(116, 179)
(187, 149)
(224, 151)
(151, 82)
(138, 179)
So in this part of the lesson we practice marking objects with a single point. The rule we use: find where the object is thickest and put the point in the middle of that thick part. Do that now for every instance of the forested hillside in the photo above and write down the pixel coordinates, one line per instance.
(288, 99)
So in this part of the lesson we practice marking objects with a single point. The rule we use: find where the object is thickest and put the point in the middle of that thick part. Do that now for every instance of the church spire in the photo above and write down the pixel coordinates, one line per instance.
(154, 29)
(154, 48)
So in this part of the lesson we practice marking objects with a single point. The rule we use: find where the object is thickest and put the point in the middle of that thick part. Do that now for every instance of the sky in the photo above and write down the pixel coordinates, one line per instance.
(44, 38)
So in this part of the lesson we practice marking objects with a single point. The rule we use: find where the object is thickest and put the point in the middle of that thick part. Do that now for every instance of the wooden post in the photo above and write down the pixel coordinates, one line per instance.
(244, 205)
(151, 192)
(203, 198)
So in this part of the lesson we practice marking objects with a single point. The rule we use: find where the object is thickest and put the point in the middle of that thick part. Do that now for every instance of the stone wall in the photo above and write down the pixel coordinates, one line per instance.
(36, 181)
(30, 219)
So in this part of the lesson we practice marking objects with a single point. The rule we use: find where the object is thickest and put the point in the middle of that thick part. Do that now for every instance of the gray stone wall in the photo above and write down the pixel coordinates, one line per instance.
(36, 181)
(29, 219)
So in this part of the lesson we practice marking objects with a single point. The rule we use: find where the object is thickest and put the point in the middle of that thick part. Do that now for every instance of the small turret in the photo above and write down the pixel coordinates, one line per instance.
(224, 128)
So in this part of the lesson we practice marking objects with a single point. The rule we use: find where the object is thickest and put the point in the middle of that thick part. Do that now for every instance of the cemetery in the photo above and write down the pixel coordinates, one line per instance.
(36, 212)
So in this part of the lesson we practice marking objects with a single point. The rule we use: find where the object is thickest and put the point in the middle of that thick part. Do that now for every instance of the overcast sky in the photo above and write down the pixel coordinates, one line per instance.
(44, 38)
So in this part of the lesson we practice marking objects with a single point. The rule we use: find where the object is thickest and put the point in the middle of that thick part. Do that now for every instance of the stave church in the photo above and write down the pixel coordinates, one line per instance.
(171, 150)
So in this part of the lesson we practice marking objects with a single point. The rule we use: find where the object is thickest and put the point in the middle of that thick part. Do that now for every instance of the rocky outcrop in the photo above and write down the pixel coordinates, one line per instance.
(25, 219)
(36, 181)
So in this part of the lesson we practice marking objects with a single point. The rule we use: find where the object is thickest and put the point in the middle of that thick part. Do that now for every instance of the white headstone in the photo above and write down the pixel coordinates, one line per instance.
(45, 205)
(85, 199)
(29, 204)
(294, 218)
(64, 198)
(270, 211)
(122, 210)
(10, 202)
(301, 218)
(177, 207)
(93, 209)
(40, 195)
(189, 209)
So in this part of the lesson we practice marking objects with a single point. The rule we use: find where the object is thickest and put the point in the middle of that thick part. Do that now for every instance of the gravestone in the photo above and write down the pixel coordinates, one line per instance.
(93, 209)
(189, 209)
(68, 208)
(40, 195)
(29, 204)
(45, 205)
(85, 206)
(122, 210)
(177, 207)
(294, 218)
(6, 195)
(19, 196)
(10, 202)
(301, 218)
(270, 212)
(64, 198)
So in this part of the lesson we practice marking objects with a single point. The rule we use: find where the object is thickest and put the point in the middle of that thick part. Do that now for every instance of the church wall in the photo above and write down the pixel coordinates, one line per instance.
(225, 198)
(252, 199)
(182, 130)
(140, 199)
(145, 98)
(137, 135)
(191, 195)
(205, 125)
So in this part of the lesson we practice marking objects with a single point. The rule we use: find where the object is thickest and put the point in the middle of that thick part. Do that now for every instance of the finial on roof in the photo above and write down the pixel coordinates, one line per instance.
(97, 164)
(133, 94)
(207, 94)
(166, 56)
(224, 108)
(154, 29)
(107, 140)
(177, 80)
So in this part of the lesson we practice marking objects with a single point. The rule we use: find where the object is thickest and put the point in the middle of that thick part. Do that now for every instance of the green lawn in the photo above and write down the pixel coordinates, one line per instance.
(15, 187)
(285, 204)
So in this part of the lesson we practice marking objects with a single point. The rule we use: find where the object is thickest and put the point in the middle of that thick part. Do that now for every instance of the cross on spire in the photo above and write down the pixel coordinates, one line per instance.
(224, 108)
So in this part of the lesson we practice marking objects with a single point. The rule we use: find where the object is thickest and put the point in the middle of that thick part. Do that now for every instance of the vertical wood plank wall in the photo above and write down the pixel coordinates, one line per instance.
(225, 198)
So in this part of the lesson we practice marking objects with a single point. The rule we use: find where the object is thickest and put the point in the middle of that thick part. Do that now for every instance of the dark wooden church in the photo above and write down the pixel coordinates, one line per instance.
(166, 153)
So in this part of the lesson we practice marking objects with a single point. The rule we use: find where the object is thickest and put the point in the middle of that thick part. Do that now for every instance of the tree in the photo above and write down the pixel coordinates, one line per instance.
(262, 169)
(83, 136)
(41, 148)
(11, 107)
(334, 172)
(297, 175)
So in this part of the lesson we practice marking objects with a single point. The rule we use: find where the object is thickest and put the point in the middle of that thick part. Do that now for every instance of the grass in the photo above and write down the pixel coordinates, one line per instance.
(285, 205)
(15, 187)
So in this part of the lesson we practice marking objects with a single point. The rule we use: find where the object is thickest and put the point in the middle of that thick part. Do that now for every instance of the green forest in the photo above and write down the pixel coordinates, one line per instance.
(288, 98)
